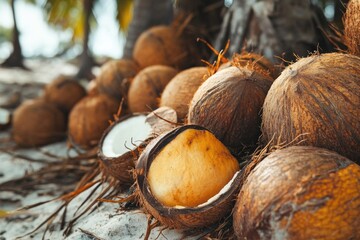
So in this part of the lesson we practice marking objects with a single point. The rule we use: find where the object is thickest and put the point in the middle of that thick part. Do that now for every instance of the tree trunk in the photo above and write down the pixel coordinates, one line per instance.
(16, 58)
(277, 29)
(146, 14)
(86, 60)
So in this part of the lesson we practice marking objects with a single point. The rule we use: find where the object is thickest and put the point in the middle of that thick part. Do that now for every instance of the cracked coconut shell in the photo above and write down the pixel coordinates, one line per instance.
(315, 101)
(352, 27)
(37, 122)
(89, 119)
(115, 77)
(229, 103)
(181, 89)
(64, 92)
(160, 45)
(175, 178)
(300, 192)
(147, 86)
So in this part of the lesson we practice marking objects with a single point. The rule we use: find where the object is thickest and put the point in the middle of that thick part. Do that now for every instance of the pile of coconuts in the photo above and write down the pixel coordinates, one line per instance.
(202, 165)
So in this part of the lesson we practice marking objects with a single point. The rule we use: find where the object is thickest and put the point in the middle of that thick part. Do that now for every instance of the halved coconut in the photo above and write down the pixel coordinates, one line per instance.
(187, 178)
(120, 145)
(123, 141)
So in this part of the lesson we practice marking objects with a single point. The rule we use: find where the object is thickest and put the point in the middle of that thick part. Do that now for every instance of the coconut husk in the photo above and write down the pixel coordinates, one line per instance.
(161, 45)
(317, 98)
(36, 123)
(147, 86)
(115, 77)
(205, 215)
(299, 193)
(64, 92)
(180, 90)
(229, 104)
(89, 119)
(351, 27)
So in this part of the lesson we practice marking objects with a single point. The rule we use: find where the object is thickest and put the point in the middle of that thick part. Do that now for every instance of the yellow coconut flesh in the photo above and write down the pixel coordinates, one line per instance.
(191, 169)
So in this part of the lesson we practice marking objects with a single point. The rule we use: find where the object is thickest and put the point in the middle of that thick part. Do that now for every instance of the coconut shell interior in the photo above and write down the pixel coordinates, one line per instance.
(187, 217)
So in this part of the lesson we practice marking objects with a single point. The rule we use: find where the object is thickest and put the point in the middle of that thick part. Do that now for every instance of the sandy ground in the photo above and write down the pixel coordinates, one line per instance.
(105, 222)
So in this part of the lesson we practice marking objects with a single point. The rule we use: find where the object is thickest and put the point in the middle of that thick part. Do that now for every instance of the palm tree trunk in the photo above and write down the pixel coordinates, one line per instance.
(86, 61)
(16, 58)
(146, 14)
(277, 29)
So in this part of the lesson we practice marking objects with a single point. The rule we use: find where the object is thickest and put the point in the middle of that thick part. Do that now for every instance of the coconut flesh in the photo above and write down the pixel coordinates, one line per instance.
(126, 136)
(177, 184)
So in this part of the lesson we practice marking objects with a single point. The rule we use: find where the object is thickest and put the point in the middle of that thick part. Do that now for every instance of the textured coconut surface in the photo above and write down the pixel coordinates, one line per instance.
(105, 222)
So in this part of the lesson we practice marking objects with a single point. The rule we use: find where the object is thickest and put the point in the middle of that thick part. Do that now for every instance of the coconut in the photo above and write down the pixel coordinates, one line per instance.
(115, 77)
(175, 178)
(64, 92)
(37, 122)
(147, 86)
(120, 145)
(124, 140)
(5, 118)
(160, 45)
(316, 101)
(228, 103)
(300, 192)
(179, 92)
(351, 27)
(89, 119)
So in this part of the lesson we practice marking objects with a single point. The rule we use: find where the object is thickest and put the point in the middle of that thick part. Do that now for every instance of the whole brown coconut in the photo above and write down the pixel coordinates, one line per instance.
(89, 119)
(300, 193)
(228, 103)
(147, 86)
(37, 122)
(160, 45)
(115, 77)
(181, 89)
(316, 101)
(64, 92)
(175, 178)
(351, 27)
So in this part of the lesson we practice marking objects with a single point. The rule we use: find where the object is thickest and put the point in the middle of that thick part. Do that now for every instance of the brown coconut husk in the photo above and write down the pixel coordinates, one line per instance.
(202, 216)
(299, 193)
(229, 103)
(115, 77)
(180, 90)
(317, 98)
(147, 86)
(351, 27)
(160, 45)
(37, 122)
(89, 119)
(64, 92)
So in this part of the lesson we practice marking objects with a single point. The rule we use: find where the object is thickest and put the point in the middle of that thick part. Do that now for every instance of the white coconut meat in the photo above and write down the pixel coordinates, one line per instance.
(4, 116)
(126, 135)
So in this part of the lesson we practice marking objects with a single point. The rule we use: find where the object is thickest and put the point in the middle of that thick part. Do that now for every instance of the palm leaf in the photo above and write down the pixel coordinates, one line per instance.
(124, 13)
